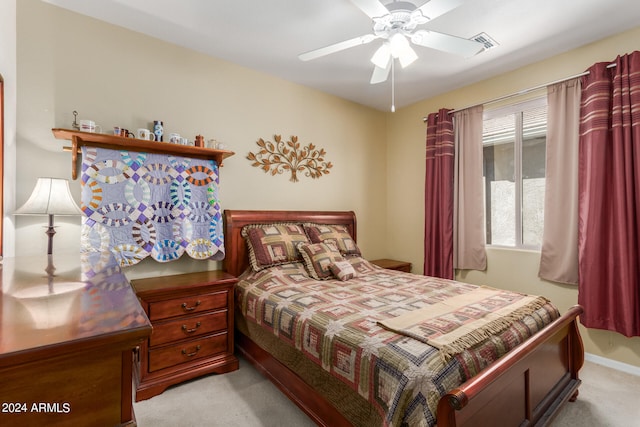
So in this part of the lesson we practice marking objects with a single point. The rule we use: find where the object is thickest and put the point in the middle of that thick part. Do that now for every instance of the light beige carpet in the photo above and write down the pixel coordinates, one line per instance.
(608, 398)
(240, 398)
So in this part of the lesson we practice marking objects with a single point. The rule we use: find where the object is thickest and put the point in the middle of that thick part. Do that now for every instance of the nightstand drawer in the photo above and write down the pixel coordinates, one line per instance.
(188, 327)
(187, 305)
(188, 351)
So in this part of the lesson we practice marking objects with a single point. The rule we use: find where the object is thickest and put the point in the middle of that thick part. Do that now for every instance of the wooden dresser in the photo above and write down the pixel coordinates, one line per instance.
(68, 327)
(192, 317)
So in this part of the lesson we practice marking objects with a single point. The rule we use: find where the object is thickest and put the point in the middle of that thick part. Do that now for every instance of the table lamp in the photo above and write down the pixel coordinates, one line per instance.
(51, 196)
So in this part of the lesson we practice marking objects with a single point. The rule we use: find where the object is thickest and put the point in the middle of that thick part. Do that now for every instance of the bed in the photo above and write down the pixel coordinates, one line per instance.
(336, 384)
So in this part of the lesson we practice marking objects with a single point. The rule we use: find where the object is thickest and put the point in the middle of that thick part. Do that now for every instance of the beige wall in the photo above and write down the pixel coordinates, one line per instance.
(69, 62)
(506, 268)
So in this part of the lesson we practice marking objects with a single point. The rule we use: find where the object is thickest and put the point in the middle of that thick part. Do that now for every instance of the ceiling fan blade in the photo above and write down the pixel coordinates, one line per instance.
(372, 8)
(337, 47)
(380, 74)
(447, 43)
(434, 8)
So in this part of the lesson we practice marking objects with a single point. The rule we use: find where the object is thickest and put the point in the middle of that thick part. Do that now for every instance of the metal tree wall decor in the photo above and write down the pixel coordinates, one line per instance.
(280, 156)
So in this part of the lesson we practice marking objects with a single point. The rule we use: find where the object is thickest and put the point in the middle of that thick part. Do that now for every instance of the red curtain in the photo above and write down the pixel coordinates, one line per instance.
(438, 205)
(609, 197)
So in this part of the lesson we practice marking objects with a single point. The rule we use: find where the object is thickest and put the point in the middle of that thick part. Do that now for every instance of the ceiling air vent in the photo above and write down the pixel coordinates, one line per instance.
(487, 41)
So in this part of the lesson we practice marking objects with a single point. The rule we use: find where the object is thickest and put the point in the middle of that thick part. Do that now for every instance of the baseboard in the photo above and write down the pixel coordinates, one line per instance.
(613, 364)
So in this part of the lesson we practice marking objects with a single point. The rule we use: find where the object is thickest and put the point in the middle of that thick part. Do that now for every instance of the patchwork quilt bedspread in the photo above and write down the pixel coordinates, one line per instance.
(336, 324)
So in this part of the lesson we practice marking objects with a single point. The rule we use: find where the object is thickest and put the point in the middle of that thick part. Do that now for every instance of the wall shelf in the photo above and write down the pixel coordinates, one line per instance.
(79, 139)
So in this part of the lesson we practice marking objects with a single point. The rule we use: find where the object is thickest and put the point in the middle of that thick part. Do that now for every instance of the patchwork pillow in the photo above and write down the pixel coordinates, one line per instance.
(338, 235)
(273, 244)
(318, 258)
(343, 270)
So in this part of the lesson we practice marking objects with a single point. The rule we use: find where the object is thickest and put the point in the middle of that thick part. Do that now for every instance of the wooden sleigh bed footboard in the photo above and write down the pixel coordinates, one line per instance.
(525, 387)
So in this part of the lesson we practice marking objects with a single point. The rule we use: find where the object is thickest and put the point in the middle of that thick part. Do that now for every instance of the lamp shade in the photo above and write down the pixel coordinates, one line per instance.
(50, 196)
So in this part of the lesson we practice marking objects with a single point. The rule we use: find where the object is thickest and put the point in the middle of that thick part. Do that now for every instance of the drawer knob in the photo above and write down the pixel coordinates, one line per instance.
(184, 351)
(190, 331)
(185, 308)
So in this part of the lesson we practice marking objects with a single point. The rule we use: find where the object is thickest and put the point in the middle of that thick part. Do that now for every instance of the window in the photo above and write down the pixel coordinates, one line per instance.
(514, 150)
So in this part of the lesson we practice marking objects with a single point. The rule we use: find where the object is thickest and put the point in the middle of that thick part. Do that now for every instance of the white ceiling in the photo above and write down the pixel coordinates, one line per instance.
(268, 36)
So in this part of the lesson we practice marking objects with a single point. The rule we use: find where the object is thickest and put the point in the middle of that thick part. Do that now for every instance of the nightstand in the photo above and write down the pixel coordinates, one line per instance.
(192, 319)
(393, 264)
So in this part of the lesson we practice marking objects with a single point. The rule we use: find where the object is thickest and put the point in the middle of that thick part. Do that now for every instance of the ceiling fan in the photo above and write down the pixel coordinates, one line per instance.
(396, 23)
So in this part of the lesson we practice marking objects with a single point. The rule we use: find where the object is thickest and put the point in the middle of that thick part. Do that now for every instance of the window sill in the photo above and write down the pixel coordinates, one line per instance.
(513, 249)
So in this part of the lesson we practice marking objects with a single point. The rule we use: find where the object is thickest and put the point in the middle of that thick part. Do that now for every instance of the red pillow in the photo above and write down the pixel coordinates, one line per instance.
(318, 258)
(338, 235)
(273, 244)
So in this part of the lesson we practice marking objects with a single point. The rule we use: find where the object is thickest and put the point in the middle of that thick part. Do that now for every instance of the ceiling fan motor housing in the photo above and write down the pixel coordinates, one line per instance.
(401, 19)
(401, 6)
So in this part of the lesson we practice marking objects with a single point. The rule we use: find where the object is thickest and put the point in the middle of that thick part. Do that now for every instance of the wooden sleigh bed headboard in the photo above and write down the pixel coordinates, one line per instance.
(236, 258)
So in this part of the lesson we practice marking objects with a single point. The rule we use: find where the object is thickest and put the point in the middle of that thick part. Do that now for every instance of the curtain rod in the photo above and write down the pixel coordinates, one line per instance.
(524, 91)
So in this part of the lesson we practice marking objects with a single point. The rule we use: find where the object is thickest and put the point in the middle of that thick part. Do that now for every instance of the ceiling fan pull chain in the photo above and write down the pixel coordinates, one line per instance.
(393, 85)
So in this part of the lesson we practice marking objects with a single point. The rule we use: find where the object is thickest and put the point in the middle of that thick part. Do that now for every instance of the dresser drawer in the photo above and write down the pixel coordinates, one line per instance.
(188, 327)
(164, 357)
(187, 305)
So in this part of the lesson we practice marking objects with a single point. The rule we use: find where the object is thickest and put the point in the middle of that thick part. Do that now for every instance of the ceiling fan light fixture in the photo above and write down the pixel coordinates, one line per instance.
(398, 44)
(408, 57)
(401, 49)
(382, 56)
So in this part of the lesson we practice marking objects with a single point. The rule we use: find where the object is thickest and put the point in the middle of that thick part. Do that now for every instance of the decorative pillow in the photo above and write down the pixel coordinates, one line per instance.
(338, 235)
(318, 258)
(343, 270)
(273, 244)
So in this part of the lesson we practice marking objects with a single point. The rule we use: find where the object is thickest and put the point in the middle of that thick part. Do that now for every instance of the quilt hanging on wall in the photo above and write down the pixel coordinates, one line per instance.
(137, 205)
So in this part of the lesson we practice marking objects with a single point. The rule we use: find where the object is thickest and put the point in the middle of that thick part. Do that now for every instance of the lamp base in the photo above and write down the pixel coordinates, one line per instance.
(51, 231)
